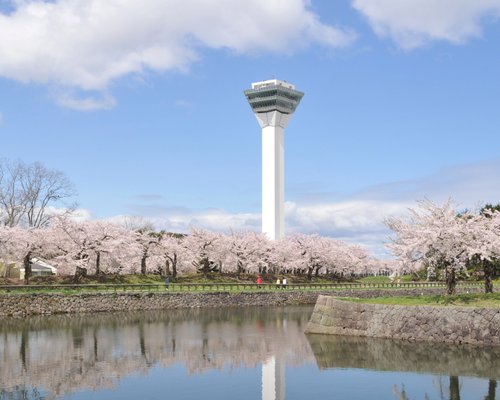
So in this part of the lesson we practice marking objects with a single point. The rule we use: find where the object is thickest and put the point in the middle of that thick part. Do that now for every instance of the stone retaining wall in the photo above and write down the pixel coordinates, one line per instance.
(416, 323)
(39, 304)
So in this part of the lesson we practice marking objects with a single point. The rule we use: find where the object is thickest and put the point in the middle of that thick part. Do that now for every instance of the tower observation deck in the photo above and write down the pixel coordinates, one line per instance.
(273, 103)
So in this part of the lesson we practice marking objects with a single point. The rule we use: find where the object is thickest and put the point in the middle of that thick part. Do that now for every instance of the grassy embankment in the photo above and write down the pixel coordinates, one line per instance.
(154, 283)
(490, 300)
(106, 283)
(157, 279)
(197, 278)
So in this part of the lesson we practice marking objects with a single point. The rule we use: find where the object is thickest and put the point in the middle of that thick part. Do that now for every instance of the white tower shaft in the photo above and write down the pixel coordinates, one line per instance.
(273, 181)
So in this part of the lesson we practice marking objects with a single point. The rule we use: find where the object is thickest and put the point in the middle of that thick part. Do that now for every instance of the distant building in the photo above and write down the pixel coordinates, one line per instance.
(38, 268)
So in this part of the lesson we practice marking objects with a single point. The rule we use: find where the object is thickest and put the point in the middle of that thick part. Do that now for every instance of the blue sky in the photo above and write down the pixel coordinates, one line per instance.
(142, 107)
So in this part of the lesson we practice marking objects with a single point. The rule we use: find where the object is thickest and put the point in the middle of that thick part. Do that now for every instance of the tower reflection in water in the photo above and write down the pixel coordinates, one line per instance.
(273, 379)
(64, 356)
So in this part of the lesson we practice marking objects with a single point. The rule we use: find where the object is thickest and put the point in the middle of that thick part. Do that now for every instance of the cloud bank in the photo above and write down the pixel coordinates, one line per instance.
(88, 44)
(357, 218)
(414, 23)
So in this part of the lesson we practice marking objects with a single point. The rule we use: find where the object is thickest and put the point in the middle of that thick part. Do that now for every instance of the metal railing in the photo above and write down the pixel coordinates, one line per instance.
(219, 287)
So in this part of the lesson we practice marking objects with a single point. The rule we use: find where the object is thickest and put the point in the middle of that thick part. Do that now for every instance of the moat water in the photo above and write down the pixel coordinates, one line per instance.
(231, 353)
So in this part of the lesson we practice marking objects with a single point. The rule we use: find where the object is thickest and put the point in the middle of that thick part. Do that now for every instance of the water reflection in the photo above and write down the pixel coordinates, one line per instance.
(273, 379)
(225, 354)
(389, 355)
(61, 354)
(452, 392)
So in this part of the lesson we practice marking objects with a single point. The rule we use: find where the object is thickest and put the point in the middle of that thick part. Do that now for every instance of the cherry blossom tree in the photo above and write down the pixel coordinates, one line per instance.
(101, 247)
(169, 250)
(441, 238)
(146, 240)
(433, 234)
(482, 235)
(200, 247)
(243, 251)
(313, 253)
(83, 244)
(269, 258)
(323, 255)
(347, 260)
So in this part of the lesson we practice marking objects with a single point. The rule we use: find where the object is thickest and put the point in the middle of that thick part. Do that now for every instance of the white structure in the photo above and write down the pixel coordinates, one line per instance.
(273, 103)
(38, 268)
(273, 379)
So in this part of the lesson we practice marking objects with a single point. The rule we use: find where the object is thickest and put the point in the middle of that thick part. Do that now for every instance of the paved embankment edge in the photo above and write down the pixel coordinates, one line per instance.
(451, 324)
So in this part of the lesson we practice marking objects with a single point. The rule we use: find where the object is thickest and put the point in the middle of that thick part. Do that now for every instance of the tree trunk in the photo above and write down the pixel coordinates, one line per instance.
(488, 276)
(143, 262)
(492, 388)
(167, 268)
(454, 388)
(23, 347)
(96, 346)
(27, 268)
(142, 341)
(309, 273)
(451, 280)
(98, 263)
(174, 266)
(79, 273)
(205, 266)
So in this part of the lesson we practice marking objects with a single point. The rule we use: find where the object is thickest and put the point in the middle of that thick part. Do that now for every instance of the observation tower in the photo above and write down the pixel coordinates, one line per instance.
(273, 103)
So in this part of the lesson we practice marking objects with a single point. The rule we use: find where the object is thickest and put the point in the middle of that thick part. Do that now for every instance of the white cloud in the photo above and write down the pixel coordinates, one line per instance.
(413, 23)
(81, 215)
(355, 221)
(85, 103)
(89, 44)
(180, 219)
(78, 214)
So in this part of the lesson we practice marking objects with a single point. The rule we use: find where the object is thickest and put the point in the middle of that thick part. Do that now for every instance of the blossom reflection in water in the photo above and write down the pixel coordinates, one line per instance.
(226, 353)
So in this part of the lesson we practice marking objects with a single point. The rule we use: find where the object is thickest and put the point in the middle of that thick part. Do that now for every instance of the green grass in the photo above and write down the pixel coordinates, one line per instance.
(155, 278)
(197, 278)
(490, 300)
(383, 279)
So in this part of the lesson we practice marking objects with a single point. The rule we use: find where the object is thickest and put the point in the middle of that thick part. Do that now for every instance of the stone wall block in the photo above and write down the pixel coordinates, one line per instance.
(441, 324)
